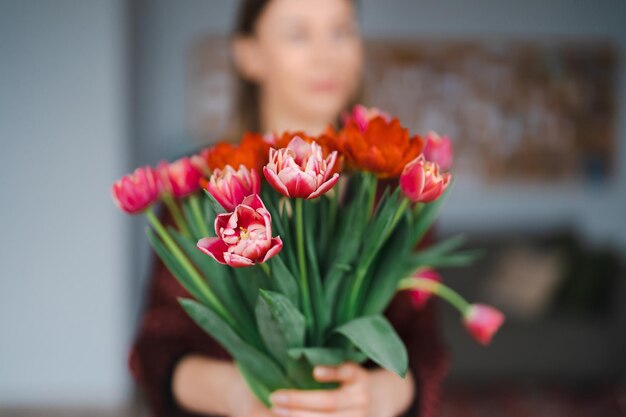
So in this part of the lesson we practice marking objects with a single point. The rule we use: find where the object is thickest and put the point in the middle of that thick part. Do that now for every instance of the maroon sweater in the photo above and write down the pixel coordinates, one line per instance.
(166, 334)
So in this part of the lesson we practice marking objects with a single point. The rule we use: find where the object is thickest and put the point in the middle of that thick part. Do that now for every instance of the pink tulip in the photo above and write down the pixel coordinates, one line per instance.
(135, 192)
(419, 298)
(439, 149)
(199, 161)
(361, 116)
(244, 237)
(482, 322)
(180, 178)
(421, 180)
(300, 171)
(230, 187)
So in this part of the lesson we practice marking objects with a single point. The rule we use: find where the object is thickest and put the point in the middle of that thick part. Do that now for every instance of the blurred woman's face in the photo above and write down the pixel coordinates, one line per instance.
(306, 56)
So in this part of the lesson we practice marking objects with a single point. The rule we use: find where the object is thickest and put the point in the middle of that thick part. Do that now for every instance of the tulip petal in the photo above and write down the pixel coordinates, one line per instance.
(274, 181)
(214, 247)
(237, 261)
(277, 245)
(324, 187)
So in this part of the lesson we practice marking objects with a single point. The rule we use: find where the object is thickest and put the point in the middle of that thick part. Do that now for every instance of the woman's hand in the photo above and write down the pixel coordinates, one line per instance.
(356, 396)
(243, 403)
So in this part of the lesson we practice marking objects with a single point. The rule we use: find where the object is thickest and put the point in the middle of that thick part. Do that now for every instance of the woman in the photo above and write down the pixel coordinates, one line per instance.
(299, 64)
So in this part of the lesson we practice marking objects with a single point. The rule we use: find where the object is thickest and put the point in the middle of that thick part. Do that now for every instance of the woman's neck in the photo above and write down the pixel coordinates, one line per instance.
(277, 120)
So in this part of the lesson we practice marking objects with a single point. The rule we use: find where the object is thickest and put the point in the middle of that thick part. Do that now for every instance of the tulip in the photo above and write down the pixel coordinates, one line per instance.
(230, 187)
(482, 322)
(421, 180)
(251, 151)
(362, 115)
(438, 149)
(135, 192)
(199, 161)
(300, 171)
(420, 297)
(180, 178)
(244, 237)
(381, 146)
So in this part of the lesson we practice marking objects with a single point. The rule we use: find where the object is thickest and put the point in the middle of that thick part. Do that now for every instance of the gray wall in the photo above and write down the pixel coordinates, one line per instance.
(64, 274)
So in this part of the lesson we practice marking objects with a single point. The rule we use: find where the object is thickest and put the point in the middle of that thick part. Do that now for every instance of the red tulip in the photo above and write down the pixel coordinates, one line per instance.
(135, 192)
(180, 178)
(419, 298)
(230, 187)
(482, 322)
(421, 180)
(300, 170)
(439, 149)
(244, 237)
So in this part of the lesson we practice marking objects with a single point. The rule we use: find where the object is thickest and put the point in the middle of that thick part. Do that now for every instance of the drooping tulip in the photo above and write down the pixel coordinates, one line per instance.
(421, 180)
(482, 322)
(439, 149)
(180, 178)
(133, 193)
(230, 187)
(419, 297)
(300, 170)
(244, 237)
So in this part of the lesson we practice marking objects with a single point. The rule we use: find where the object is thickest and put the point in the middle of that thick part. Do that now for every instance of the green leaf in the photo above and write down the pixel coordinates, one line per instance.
(260, 367)
(283, 280)
(222, 281)
(443, 247)
(322, 316)
(390, 267)
(280, 323)
(376, 338)
(174, 266)
(327, 355)
(215, 206)
(249, 280)
(256, 386)
(353, 222)
(388, 216)
(191, 219)
(301, 371)
(426, 217)
(281, 225)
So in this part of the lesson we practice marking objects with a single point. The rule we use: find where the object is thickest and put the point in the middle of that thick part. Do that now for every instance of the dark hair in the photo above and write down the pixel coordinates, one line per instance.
(247, 103)
(247, 112)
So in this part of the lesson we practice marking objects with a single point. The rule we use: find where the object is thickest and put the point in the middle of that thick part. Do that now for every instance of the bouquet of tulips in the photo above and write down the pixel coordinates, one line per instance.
(297, 270)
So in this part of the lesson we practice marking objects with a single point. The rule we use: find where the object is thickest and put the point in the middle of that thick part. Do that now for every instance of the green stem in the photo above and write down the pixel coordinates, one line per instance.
(266, 268)
(362, 269)
(197, 213)
(438, 289)
(176, 214)
(304, 282)
(189, 268)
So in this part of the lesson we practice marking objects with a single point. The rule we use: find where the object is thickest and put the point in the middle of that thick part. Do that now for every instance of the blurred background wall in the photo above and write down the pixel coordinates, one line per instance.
(64, 303)
(89, 89)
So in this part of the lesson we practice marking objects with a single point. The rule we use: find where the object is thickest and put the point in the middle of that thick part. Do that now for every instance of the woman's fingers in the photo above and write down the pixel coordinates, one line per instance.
(342, 399)
(304, 413)
(346, 373)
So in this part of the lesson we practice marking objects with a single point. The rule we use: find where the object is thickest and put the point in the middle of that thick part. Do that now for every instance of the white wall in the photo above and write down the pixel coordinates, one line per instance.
(63, 268)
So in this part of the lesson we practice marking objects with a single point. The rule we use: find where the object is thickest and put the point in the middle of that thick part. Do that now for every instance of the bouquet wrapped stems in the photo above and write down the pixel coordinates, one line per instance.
(297, 270)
